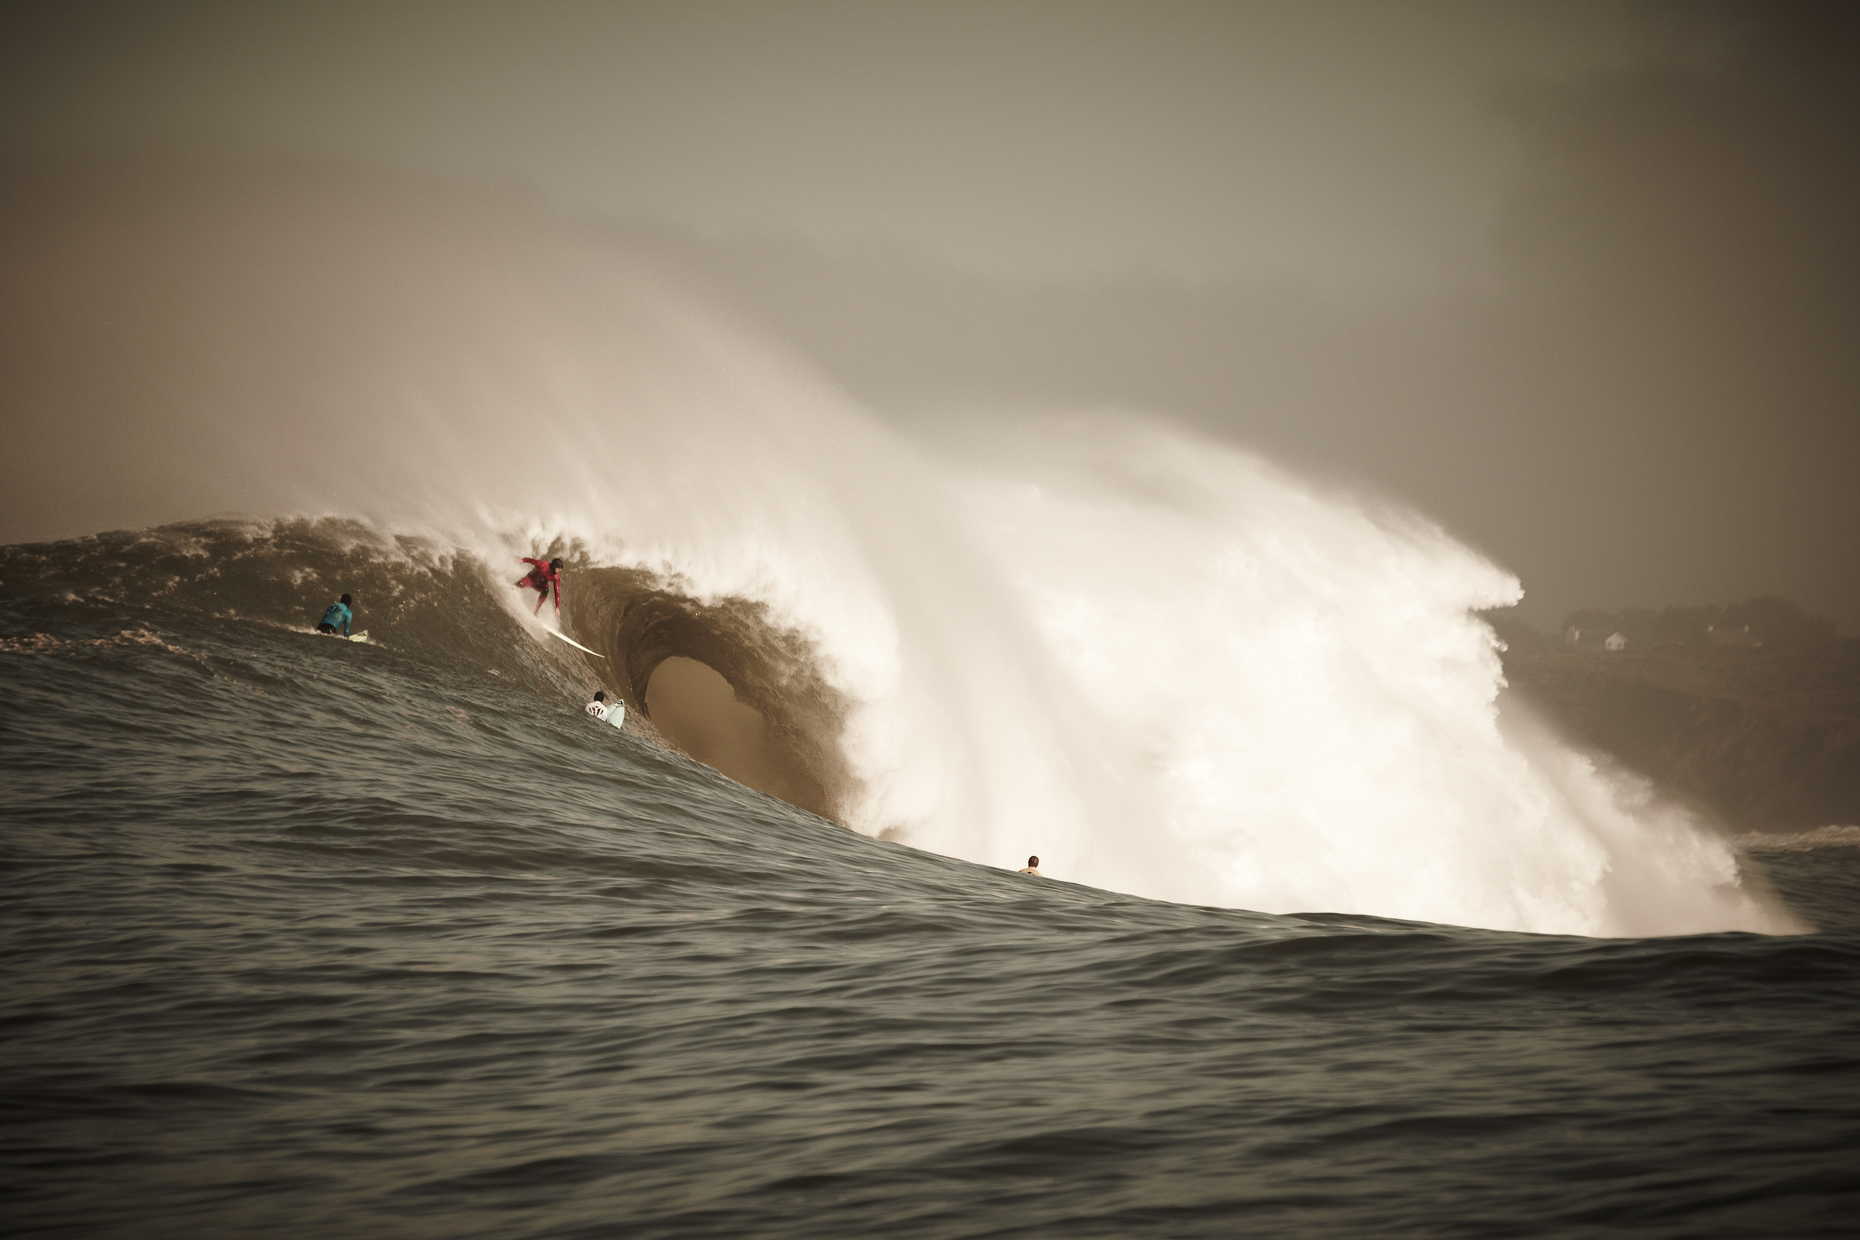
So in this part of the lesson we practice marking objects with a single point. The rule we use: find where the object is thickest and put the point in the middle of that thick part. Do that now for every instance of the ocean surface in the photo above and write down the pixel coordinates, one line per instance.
(314, 939)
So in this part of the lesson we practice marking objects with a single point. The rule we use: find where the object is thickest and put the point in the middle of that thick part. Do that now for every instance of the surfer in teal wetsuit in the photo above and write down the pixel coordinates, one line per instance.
(338, 614)
(541, 577)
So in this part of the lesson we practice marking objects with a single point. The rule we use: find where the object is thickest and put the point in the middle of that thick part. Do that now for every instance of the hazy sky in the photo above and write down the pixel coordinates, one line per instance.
(1346, 142)
(1577, 279)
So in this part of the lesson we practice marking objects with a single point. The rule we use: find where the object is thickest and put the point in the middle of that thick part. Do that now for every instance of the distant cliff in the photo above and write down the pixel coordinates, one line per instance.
(1766, 737)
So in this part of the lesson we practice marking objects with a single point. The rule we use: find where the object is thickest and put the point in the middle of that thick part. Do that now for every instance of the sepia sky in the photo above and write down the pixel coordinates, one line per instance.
(1577, 279)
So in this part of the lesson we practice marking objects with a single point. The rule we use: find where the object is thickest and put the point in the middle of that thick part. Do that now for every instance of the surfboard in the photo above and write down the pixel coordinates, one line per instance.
(353, 637)
(571, 641)
(616, 715)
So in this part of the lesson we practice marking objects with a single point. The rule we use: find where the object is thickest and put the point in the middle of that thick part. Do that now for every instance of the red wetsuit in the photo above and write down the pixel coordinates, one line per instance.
(540, 579)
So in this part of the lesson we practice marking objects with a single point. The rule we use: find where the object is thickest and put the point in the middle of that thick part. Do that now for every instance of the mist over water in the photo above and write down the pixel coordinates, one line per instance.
(1165, 666)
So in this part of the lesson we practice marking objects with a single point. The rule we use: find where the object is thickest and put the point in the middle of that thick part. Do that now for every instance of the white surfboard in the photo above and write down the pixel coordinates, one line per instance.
(352, 637)
(571, 641)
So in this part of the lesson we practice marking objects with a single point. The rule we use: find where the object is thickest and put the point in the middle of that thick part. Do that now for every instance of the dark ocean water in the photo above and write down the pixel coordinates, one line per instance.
(305, 938)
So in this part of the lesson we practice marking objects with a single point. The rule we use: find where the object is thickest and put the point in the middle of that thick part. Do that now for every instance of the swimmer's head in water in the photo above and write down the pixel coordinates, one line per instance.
(1034, 862)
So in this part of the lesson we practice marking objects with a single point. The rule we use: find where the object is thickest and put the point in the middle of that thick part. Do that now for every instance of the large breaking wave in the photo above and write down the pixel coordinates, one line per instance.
(1163, 665)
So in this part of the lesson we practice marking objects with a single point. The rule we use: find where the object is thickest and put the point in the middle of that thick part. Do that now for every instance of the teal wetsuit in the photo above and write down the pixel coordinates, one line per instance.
(337, 617)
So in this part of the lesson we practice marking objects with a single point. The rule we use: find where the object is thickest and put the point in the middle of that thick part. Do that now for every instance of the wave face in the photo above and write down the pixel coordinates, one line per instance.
(1163, 665)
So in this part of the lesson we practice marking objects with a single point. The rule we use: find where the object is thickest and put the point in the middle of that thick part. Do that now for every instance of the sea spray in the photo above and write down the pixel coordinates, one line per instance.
(1297, 684)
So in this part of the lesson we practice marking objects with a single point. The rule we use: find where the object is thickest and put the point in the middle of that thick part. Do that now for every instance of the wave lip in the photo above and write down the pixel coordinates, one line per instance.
(774, 723)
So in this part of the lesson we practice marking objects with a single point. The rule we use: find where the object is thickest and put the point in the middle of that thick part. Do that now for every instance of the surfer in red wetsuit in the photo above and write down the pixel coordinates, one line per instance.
(541, 577)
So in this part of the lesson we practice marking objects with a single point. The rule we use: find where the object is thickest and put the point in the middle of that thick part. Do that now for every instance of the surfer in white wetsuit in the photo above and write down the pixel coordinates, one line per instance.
(1033, 867)
(605, 711)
